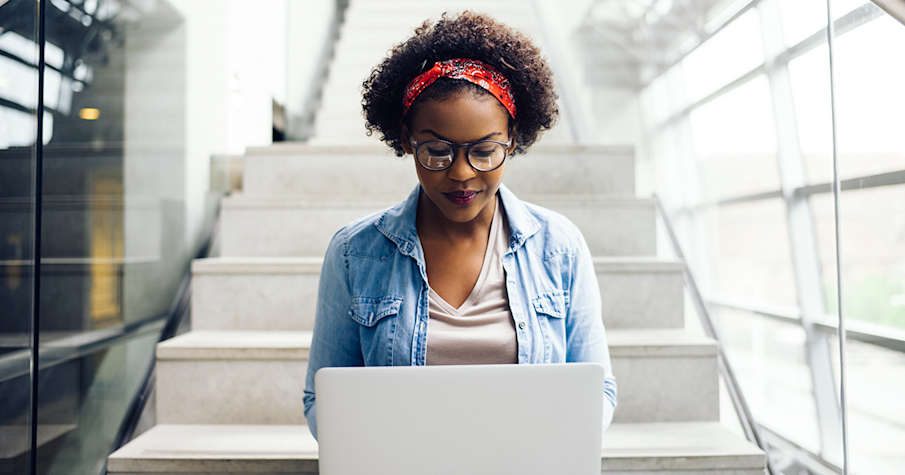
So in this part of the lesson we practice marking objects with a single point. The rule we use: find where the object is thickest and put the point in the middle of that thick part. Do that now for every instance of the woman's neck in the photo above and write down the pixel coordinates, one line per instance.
(431, 223)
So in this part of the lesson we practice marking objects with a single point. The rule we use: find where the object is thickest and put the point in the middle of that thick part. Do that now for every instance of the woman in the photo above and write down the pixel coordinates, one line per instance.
(461, 272)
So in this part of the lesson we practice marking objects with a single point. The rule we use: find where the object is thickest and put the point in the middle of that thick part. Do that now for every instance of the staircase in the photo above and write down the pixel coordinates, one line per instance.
(229, 393)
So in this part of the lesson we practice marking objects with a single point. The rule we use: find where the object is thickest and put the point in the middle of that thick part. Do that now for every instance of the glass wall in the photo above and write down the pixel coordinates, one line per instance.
(870, 152)
(138, 98)
(18, 159)
(113, 243)
(754, 120)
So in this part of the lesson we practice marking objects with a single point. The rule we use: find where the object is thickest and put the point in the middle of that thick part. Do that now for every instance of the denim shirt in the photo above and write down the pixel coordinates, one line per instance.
(372, 304)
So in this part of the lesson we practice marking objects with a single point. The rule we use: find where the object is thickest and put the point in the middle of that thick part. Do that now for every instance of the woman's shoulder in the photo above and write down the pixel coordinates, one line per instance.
(363, 237)
(548, 229)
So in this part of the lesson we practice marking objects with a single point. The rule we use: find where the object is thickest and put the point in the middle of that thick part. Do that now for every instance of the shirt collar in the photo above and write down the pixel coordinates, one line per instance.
(398, 222)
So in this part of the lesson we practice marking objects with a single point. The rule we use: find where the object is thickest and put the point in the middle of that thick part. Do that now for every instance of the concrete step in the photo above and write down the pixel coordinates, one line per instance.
(246, 377)
(280, 293)
(293, 169)
(255, 294)
(277, 226)
(218, 448)
(637, 449)
(641, 292)
(285, 227)
(231, 377)
(667, 375)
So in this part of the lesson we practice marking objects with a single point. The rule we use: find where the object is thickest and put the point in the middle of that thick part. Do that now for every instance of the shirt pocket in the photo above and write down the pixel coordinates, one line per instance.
(369, 311)
(550, 308)
(551, 304)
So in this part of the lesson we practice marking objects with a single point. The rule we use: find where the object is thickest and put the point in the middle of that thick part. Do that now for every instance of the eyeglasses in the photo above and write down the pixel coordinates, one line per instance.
(484, 155)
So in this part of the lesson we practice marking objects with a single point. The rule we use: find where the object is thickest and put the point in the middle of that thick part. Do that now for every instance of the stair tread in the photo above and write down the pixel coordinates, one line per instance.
(236, 344)
(589, 200)
(290, 265)
(662, 342)
(240, 344)
(637, 264)
(257, 265)
(300, 150)
(273, 448)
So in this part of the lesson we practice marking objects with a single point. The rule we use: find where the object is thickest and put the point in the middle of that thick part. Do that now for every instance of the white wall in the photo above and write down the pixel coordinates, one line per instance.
(257, 65)
(236, 65)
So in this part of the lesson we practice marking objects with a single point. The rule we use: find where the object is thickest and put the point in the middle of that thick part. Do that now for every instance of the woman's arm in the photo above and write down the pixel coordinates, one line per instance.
(336, 338)
(585, 335)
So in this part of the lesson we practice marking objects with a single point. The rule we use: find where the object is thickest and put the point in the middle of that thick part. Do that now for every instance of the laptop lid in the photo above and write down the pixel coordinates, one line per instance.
(480, 419)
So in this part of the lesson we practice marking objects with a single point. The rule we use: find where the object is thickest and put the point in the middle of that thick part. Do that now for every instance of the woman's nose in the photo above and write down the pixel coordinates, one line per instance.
(461, 170)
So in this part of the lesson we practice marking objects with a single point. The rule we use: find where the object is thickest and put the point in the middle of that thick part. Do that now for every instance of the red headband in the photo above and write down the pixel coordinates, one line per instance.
(470, 70)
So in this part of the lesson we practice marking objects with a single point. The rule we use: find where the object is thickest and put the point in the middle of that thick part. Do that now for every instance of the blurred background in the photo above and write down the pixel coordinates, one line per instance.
(120, 147)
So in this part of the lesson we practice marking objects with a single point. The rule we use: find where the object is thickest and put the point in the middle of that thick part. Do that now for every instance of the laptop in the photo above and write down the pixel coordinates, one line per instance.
(478, 419)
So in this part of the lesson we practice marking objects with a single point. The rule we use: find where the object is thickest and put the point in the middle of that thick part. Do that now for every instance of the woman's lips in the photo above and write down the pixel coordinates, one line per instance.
(461, 197)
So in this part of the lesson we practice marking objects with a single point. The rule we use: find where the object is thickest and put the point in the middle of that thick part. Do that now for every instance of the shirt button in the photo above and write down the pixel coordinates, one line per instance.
(521, 325)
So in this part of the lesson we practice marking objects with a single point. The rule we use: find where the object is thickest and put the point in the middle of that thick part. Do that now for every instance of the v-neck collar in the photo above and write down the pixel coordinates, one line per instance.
(492, 238)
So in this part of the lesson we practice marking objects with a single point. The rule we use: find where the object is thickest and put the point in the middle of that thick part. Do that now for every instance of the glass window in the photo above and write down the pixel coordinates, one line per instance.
(801, 19)
(735, 142)
(732, 52)
(873, 252)
(809, 75)
(769, 359)
(752, 258)
(870, 98)
(875, 388)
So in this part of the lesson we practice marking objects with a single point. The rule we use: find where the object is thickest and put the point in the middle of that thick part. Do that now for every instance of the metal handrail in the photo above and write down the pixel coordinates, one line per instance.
(746, 418)
(888, 337)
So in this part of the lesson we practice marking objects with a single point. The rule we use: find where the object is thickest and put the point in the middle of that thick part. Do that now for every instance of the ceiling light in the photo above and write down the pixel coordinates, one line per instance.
(89, 114)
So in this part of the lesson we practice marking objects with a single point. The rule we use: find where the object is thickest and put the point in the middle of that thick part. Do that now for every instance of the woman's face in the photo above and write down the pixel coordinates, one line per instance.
(459, 193)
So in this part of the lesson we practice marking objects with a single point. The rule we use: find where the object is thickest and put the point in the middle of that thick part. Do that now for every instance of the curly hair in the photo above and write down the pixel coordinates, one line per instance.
(465, 35)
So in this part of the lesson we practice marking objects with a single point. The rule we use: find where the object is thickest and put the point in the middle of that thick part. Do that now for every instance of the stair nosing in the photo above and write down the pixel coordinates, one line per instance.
(732, 452)
(257, 265)
(659, 343)
(236, 345)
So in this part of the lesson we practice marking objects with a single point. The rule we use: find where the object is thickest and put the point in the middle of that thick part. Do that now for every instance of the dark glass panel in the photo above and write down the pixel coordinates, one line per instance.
(18, 137)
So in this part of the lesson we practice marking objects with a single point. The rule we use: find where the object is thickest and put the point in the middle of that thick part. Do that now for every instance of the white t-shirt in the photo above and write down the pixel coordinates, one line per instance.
(481, 331)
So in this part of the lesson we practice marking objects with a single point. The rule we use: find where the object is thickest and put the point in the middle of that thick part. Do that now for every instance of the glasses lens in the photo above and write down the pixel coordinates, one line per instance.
(486, 156)
(435, 155)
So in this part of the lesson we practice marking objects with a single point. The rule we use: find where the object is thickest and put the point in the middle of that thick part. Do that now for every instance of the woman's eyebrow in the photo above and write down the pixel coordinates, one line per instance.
(429, 131)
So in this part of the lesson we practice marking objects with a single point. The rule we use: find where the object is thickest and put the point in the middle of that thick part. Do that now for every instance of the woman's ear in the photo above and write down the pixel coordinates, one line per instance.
(406, 141)
(512, 131)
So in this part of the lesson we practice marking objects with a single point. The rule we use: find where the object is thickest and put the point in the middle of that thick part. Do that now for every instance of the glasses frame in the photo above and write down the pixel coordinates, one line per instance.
(456, 146)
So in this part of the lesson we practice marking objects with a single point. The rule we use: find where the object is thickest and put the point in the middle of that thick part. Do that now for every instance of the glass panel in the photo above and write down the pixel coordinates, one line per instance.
(876, 418)
(801, 18)
(114, 244)
(735, 142)
(18, 100)
(752, 258)
(873, 256)
(769, 359)
(90, 395)
(870, 99)
(809, 75)
(732, 52)
(873, 252)
(869, 102)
